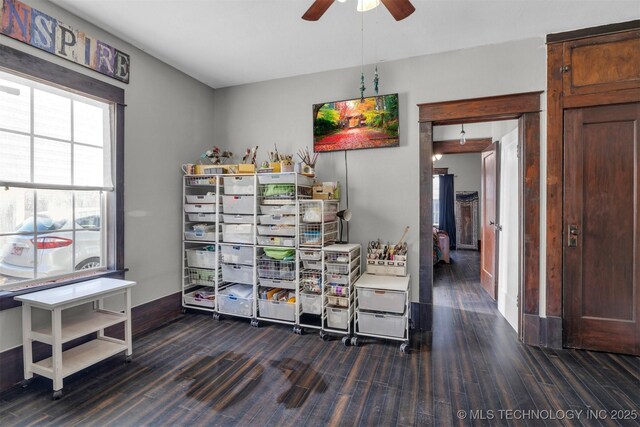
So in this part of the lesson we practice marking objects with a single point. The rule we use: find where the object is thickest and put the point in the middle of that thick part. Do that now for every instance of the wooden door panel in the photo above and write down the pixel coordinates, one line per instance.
(489, 199)
(602, 189)
(602, 64)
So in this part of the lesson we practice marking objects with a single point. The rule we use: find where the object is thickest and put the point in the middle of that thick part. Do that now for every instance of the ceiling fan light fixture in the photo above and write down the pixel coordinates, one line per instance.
(366, 5)
(341, 1)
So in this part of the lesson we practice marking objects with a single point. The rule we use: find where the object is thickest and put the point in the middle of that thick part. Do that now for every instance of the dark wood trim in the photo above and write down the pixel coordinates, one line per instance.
(554, 181)
(421, 316)
(593, 31)
(599, 99)
(452, 146)
(552, 326)
(529, 124)
(531, 329)
(17, 60)
(145, 317)
(526, 107)
(425, 294)
(486, 109)
(440, 171)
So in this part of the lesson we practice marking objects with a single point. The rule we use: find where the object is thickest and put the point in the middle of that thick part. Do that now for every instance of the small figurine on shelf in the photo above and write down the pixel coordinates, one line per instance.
(308, 162)
(215, 156)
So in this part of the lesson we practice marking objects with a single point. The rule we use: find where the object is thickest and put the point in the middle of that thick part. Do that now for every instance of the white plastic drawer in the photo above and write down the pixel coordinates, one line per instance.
(310, 255)
(337, 318)
(277, 283)
(276, 241)
(200, 235)
(337, 301)
(389, 325)
(277, 219)
(343, 279)
(201, 298)
(201, 198)
(239, 185)
(312, 265)
(340, 268)
(237, 254)
(201, 259)
(237, 273)
(276, 230)
(237, 233)
(284, 178)
(381, 300)
(237, 219)
(200, 207)
(202, 217)
(230, 304)
(277, 310)
(238, 204)
(311, 303)
(278, 209)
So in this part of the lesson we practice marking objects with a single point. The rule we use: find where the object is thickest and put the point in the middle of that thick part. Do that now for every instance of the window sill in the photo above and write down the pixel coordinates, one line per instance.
(6, 297)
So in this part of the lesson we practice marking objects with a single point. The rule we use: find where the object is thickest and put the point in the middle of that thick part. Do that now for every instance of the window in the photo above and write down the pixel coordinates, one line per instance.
(436, 200)
(57, 160)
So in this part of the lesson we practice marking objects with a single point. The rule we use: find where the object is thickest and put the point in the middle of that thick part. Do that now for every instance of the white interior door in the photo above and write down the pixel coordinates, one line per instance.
(508, 237)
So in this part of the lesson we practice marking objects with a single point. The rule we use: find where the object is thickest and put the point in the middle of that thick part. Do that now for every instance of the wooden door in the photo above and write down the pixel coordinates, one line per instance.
(489, 204)
(601, 240)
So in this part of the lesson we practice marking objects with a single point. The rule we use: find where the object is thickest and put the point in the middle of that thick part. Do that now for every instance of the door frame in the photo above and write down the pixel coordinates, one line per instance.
(525, 107)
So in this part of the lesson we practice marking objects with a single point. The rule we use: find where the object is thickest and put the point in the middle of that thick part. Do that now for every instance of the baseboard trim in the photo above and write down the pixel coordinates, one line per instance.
(145, 317)
(552, 326)
(421, 316)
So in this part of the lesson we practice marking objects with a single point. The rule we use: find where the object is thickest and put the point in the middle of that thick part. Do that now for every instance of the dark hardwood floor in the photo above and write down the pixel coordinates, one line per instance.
(198, 371)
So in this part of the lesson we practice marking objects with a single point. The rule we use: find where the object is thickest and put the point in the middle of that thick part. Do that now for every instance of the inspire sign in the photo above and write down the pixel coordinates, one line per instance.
(29, 25)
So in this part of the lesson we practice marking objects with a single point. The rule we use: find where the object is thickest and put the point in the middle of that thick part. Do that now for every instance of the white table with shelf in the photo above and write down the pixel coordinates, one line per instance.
(387, 308)
(61, 330)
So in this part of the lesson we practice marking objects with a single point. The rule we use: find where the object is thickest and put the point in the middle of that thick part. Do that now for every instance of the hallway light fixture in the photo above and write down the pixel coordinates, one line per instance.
(437, 157)
(463, 138)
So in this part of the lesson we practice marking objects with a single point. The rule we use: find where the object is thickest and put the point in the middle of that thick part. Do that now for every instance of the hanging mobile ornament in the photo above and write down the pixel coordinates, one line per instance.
(375, 81)
(362, 88)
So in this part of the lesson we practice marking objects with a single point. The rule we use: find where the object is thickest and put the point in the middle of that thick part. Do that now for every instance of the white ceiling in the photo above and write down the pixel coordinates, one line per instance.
(231, 42)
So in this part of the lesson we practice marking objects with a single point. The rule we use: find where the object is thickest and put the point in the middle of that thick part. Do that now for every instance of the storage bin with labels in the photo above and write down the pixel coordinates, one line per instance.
(236, 299)
(237, 254)
(202, 231)
(202, 298)
(239, 185)
(202, 257)
(238, 233)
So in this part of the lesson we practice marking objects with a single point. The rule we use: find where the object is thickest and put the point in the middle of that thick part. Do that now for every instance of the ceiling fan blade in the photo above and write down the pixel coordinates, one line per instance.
(399, 9)
(317, 9)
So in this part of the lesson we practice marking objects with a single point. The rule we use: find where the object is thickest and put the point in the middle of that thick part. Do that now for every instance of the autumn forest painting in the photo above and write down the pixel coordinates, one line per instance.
(356, 124)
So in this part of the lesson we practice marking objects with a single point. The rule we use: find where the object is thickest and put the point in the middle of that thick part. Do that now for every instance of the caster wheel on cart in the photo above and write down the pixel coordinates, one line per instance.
(128, 359)
(217, 316)
(324, 336)
(354, 341)
(255, 323)
(346, 341)
(57, 394)
(404, 348)
(297, 330)
(184, 310)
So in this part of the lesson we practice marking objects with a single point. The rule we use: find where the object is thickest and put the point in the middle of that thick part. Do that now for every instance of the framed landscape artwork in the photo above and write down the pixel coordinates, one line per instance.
(356, 124)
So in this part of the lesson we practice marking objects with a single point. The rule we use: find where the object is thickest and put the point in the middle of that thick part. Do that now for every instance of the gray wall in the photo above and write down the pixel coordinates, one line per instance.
(168, 121)
(383, 183)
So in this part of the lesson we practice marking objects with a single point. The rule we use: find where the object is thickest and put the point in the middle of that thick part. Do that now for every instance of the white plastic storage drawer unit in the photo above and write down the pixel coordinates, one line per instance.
(201, 198)
(238, 204)
(200, 207)
(339, 268)
(343, 279)
(202, 217)
(201, 298)
(276, 241)
(277, 219)
(201, 258)
(337, 318)
(237, 273)
(239, 185)
(281, 310)
(310, 255)
(382, 324)
(231, 304)
(237, 219)
(278, 209)
(381, 300)
(311, 303)
(238, 233)
(237, 254)
(284, 178)
(277, 230)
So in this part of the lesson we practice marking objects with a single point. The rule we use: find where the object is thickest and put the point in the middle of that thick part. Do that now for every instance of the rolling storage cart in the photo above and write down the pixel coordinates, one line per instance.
(318, 228)
(342, 269)
(200, 261)
(235, 287)
(382, 308)
(278, 287)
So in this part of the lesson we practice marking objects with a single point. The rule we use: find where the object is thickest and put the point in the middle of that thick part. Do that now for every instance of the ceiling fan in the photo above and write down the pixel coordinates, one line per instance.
(399, 9)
